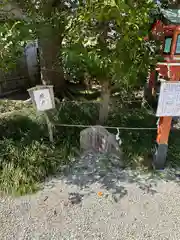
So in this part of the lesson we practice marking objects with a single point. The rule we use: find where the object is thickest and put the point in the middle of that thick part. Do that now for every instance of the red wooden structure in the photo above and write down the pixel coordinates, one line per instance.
(168, 69)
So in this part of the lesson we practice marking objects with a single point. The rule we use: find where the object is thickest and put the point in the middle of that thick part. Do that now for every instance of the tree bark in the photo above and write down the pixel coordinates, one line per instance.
(50, 45)
(104, 107)
(50, 36)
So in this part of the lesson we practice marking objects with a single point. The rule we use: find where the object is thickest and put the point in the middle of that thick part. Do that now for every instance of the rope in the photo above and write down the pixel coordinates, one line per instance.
(81, 102)
(97, 102)
(108, 127)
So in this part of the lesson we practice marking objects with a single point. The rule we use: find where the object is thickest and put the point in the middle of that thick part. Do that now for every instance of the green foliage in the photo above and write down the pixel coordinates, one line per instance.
(74, 61)
(26, 157)
(24, 167)
(107, 38)
(10, 47)
(34, 20)
(103, 39)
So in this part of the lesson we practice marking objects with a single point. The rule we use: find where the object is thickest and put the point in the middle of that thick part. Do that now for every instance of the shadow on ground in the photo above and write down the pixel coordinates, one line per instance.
(137, 148)
(90, 171)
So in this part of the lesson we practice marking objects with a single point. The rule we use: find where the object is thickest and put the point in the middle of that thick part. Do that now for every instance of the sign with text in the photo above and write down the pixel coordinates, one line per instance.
(169, 99)
(42, 97)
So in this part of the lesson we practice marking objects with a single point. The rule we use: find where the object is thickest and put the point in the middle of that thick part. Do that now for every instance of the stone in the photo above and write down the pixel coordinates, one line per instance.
(75, 198)
(116, 160)
(46, 197)
(98, 139)
(55, 212)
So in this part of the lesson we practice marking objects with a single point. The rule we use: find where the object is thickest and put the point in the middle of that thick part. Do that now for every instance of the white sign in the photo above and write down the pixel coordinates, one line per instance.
(43, 100)
(169, 99)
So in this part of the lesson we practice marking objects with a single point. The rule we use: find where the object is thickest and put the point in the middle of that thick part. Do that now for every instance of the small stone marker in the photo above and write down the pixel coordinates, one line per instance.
(98, 139)
(43, 99)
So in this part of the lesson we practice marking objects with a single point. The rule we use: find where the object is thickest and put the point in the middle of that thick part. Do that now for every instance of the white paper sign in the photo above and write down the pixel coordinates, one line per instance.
(43, 100)
(169, 99)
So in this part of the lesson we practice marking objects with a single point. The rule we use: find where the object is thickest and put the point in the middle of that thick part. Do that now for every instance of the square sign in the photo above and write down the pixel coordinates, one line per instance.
(169, 100)
(42, 97)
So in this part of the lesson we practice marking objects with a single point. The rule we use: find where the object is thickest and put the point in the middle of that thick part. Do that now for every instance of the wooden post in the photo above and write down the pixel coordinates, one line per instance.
(50, 128)
(164, 128)
(43, 100)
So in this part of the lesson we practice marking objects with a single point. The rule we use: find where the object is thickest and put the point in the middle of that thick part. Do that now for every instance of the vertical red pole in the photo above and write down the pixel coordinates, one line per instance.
(164, 127)
(163, 131)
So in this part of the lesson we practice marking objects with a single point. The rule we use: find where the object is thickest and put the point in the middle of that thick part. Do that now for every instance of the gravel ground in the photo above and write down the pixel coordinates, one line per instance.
(96, 203)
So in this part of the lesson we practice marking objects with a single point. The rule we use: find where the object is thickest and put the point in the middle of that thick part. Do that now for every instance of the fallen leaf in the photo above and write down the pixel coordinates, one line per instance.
(100, 194)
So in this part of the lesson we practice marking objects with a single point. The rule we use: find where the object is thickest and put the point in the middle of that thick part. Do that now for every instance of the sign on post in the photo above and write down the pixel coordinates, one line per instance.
(43, 99)
(169, 100)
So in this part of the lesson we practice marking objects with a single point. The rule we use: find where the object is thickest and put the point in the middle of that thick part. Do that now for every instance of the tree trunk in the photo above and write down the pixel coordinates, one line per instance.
(50, 45)
(104, 107)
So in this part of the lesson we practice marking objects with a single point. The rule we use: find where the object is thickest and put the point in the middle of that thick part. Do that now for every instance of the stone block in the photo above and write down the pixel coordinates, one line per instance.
(98, 139)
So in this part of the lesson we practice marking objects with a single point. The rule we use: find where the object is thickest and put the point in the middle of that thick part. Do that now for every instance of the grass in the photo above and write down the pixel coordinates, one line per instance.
(27, 157)
(136, 144)
(174, 149)
(10, 105)
(24, 167)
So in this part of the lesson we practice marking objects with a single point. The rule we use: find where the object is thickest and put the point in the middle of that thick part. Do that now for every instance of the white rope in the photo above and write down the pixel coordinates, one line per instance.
(95, 101)
(87, 126)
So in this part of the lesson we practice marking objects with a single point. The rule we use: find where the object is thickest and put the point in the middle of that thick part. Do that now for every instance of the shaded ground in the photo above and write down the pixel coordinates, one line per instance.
(147, 208)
